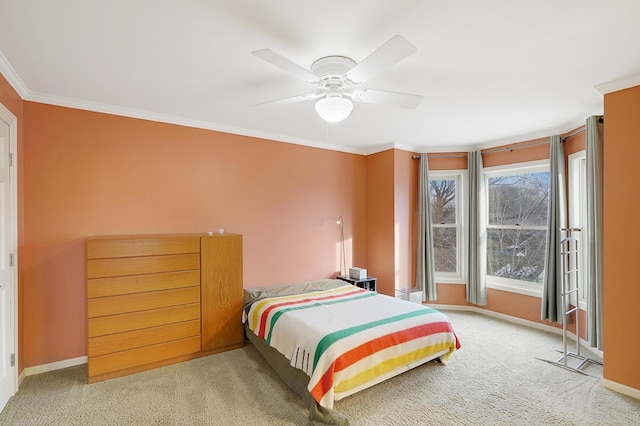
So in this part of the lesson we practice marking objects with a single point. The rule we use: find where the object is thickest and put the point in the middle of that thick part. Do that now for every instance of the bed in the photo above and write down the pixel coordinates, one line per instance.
(328, 339)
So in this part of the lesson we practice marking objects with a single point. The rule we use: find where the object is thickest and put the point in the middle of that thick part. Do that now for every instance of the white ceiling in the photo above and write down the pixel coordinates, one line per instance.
(491, 72)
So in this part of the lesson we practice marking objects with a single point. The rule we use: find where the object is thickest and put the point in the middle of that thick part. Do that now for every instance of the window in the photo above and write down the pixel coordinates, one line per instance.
(445, 197)
(578, 216)
(516, 221)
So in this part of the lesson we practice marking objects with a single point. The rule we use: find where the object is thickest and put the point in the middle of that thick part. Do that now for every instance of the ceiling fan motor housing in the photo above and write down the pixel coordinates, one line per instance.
(332, 70)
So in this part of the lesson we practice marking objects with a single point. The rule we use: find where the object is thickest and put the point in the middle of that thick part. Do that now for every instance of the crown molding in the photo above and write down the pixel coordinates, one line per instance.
(376, 149)
(206, 125)
(181, 121)
(619, 84)
(16, 82)
(12, 77)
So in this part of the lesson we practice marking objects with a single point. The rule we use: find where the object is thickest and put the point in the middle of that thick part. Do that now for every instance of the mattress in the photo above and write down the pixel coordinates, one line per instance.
(346, 339)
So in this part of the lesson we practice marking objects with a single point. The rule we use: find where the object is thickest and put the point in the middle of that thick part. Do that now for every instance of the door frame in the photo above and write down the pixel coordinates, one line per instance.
(12, 120)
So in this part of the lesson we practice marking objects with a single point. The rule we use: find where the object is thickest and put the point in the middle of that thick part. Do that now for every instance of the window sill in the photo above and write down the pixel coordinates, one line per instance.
(449, 279)
(514, 287)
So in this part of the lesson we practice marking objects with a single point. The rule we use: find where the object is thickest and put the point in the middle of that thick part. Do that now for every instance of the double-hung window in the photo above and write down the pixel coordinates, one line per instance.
(517, 199)
(446, 204)
(578, 218)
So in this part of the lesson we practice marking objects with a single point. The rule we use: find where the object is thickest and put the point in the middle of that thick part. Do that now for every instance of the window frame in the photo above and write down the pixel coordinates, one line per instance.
(578, 216)
(509, 284)
(460, 177)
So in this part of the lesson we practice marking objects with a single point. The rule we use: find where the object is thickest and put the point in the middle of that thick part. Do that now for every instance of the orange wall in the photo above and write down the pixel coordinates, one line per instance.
(13, 102)
(448, 161)
(405, 171)
(537, 150)
(574, 143)
(392, 188)
(621, 235)
(88, 174)
(513, 304)
(10, 98)
(405, 181)
(380, 220)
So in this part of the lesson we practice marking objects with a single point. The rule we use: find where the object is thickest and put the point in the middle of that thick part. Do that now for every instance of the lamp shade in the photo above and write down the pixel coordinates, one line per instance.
(334, 109)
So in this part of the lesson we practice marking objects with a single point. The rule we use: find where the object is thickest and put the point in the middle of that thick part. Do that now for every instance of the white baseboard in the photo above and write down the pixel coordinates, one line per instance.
(620, 388)
(59, 365)
(519, 321)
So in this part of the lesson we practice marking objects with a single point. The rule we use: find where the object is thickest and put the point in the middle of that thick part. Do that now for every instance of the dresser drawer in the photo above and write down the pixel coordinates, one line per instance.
(138, 338)
(142, 356)
(99, 268)
(144, 319)
(100, 248)
(114, 286)
(112, 305)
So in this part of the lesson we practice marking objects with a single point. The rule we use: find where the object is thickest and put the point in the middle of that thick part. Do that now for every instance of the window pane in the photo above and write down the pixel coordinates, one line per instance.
(519, 200)
(442, 197)
(445, 249)
(578, 219)
(516, 253)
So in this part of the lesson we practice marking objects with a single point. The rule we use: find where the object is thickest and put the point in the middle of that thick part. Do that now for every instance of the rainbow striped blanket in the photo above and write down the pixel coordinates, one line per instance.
(347, 338)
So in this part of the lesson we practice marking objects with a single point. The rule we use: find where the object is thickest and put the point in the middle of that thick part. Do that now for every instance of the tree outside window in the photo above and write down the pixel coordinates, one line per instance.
(516, 228)
(444, 193)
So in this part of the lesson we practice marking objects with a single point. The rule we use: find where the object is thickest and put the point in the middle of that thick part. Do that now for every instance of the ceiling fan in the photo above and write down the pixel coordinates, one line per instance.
(337, 79)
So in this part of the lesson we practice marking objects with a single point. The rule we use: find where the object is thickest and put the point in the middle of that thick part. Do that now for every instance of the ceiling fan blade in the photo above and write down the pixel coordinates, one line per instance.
(291, 100)
(387, 55)
(285, 64)
(372, 96)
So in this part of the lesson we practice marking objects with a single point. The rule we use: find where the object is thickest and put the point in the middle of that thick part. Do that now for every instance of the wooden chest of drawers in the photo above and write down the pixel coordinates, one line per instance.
(156, 300)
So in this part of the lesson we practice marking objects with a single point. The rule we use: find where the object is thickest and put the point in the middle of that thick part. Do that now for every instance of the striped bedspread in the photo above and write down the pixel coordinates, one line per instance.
(346, 337)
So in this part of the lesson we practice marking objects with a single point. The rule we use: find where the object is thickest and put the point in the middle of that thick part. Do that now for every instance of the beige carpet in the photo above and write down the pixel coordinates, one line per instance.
(495, 379)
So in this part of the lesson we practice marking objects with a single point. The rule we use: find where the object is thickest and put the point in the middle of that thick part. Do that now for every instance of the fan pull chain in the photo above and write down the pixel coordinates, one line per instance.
(326, 136)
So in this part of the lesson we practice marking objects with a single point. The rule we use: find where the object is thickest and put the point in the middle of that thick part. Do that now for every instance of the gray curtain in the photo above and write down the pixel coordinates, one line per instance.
(425, 269)
(552, 308)
(593, 276)
(476, 232)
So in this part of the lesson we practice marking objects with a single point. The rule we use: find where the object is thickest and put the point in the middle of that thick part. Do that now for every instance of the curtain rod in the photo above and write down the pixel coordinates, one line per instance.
(577, 132)
(562, 139)
(507, 148)
(417, 157)
(511, 148)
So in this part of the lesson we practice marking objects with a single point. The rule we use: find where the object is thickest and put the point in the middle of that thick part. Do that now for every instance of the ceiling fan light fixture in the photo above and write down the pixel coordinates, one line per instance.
(334, 108)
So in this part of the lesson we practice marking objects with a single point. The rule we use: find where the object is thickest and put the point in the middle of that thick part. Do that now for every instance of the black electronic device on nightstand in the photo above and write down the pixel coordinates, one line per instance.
(368, 283)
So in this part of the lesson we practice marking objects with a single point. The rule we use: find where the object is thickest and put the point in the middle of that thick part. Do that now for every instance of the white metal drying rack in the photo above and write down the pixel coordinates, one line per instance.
(569, 263)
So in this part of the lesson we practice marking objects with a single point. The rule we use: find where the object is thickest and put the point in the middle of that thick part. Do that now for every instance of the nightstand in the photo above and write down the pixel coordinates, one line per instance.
(368, 283)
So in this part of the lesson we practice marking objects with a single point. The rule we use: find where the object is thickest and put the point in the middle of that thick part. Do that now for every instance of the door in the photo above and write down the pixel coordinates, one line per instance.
(7, 278)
